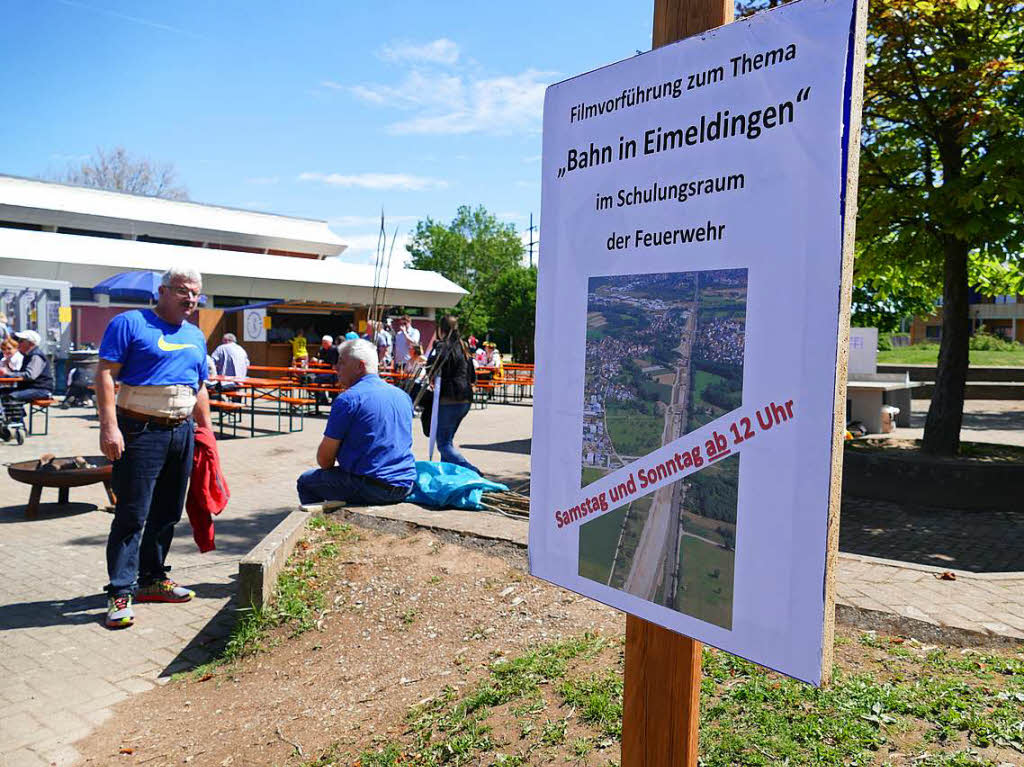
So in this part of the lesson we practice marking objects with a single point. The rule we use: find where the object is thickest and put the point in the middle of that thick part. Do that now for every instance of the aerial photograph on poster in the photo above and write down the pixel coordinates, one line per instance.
(664, 357)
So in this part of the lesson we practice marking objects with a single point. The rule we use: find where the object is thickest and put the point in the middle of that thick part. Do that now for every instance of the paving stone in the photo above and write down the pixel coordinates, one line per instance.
(22, 757)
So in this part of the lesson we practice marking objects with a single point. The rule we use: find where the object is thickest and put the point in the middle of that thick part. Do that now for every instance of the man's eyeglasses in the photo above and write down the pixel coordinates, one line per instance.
(183, 292)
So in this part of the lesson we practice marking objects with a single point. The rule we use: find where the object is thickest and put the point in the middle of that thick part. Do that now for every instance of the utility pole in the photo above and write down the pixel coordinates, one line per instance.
(661, 700)
(533, 242)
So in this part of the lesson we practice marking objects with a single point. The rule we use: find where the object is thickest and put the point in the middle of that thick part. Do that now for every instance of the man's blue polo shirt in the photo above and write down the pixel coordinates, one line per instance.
(373, 422)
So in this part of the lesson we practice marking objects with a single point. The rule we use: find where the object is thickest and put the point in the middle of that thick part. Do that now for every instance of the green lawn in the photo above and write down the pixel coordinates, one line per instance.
(591, 474)
(705, 590)
(598, 539)
(928, 354)
(634, 433)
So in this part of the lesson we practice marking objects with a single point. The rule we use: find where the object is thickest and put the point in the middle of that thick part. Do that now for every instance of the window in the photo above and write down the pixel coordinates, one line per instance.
(933, 332)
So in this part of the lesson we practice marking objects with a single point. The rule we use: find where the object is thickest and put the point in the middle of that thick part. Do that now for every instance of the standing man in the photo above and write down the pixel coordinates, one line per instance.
(405, 337)
(230, 359)
(160, 361)
(365, 455)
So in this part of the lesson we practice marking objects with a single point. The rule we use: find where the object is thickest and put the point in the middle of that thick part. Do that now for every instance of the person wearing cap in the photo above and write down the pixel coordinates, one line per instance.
(35, 373)
(148, 433)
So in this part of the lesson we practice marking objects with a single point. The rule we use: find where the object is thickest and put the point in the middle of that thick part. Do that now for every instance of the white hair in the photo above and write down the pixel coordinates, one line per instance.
(362, 350)
(182, 273)
(230, 338)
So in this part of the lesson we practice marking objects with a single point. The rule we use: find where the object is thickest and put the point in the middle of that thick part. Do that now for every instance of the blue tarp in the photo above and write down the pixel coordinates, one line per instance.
(442, 485)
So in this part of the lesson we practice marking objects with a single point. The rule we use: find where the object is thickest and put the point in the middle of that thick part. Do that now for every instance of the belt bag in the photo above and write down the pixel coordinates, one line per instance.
(174, 402)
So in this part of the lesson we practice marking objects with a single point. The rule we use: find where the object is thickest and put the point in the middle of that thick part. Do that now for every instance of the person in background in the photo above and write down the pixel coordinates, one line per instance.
(382, 340)
(148, 433)
(230, 359)
(300, 355)
(450, 359)
(328, 354)
(405, 336)
(35, 373)
(351, 335)
(494, 359)
(365, 456)
(11, 356)
(5, 329)
(480, 357)
(472, 343)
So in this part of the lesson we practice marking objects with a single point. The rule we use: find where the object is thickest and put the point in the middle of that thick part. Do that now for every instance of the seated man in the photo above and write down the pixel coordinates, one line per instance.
(365, 456)
(35, 374)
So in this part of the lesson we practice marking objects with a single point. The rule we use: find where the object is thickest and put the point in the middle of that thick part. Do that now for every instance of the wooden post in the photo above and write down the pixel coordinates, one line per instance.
(661, 701)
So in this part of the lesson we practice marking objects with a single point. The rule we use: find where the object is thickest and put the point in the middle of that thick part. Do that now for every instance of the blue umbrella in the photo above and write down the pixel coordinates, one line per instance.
(134, 285)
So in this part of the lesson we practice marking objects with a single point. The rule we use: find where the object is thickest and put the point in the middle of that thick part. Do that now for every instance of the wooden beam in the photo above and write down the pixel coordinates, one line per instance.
(661, 704)
(676, 19)
(661, 700)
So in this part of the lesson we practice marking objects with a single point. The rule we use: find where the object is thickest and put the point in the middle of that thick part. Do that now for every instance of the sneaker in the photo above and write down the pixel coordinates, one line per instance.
(164, 591)
(119, 611)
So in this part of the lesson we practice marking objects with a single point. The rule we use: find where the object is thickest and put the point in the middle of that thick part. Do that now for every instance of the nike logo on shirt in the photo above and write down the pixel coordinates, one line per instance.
(167, 346)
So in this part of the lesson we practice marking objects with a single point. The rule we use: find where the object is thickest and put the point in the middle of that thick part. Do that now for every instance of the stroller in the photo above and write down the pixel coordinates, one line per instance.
(12, 420)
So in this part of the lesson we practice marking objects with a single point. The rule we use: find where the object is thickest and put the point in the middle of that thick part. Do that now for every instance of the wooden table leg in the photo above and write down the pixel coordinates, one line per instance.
(110, 493)
(32, 510)
(63, 495)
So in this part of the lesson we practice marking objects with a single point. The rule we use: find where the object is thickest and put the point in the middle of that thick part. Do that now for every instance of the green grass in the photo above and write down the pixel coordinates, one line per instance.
(591, 474)
(705, 589)
(560, 702)
(634, 433)
(298, 598)
(598, 539)
(928, 354)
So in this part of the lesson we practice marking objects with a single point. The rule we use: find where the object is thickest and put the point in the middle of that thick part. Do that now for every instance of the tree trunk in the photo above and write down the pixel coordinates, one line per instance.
(942, 426)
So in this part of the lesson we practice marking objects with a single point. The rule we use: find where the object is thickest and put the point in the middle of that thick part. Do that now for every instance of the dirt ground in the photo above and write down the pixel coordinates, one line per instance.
(404, 617)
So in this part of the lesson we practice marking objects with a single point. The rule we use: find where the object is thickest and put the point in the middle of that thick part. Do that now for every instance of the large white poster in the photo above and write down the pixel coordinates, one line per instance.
(687, 322)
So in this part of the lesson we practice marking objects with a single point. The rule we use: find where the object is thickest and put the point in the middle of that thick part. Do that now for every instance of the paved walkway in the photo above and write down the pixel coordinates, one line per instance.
(61, 671)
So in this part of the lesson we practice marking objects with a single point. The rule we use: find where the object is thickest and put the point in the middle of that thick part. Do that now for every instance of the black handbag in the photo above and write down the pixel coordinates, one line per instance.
(427, 403)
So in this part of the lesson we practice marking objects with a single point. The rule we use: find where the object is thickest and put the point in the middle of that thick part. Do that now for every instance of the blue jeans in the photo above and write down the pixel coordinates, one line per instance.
(336, 484)
(150, 481)
(448, 419)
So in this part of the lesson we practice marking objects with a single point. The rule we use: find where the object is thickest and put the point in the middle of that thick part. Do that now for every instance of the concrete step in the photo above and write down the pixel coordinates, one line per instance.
(987, 374)
(977, 390)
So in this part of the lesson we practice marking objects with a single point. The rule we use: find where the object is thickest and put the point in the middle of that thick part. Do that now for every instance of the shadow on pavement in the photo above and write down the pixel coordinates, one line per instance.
(232, 535)
(10, 515)
(979, 542)
(518, 446)
(995, 420)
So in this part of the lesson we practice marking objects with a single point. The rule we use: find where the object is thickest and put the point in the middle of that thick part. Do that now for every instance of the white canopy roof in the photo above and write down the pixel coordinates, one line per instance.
(86, 261)
(49, 204)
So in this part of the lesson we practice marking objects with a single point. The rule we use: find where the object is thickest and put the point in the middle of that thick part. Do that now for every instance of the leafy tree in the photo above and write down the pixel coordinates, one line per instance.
(473, 252)
(118, 171)
(942, 170)
(877, 306)
(514, 309)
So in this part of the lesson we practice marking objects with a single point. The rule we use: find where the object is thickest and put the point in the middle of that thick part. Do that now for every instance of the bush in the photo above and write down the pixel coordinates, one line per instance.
(884, 342)
(983, 341)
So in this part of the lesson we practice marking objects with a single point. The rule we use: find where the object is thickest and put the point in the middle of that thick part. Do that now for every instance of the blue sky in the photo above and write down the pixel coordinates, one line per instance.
(333, 110)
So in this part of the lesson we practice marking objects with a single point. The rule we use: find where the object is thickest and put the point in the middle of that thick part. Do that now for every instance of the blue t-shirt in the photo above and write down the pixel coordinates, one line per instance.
(152, 352)
(373, 421)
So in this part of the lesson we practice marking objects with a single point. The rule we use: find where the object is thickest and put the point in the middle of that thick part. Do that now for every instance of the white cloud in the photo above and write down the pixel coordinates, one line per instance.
(440, 51)
(377, 181)
(457, 104)
(362, 249)
(354, 222)
(332, 85)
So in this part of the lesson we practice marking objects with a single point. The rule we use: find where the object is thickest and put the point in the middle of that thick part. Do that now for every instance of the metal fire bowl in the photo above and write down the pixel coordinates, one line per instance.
(26, 472)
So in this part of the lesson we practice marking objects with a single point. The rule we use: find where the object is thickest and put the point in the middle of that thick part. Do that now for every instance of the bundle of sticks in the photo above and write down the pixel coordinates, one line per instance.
(50, 462)
(509, 503)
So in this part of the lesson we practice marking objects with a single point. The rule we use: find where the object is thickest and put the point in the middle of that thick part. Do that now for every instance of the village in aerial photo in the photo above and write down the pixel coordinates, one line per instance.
(664, 357)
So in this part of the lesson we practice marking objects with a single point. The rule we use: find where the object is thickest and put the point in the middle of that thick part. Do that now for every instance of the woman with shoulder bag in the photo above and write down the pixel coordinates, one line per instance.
(450, 359)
